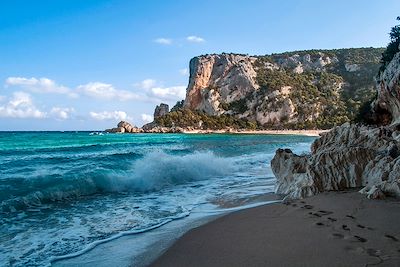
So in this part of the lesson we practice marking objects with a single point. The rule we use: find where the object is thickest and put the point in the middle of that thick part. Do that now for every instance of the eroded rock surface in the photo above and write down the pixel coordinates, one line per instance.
(124, 127)
(388, 87)
(349, 156)
(161, 110)
(303, 87)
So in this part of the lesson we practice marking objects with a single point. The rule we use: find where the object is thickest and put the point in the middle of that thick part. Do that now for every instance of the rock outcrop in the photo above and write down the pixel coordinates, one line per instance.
(161, 110)
(124, 127)
(388, 87)
(304, 88)
(350, 156)
(216, 79)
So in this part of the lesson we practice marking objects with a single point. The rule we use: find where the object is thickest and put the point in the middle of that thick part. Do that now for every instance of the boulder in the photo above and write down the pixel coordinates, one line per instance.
(116, 130)
(349, 156)
(293, 179)
(124, 127)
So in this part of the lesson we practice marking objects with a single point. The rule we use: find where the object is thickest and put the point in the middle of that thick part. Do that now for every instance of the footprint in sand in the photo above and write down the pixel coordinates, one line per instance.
(392, 237)
(332, 219)
(325, 212)
(360, 226)
(315, 214)
(351, 217)
(360, 239)
(345, 227)
(308, 207)
(320, 223)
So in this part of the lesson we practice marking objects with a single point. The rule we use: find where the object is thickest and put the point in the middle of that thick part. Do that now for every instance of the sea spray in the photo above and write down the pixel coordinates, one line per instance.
(153, 172)
(158, 169)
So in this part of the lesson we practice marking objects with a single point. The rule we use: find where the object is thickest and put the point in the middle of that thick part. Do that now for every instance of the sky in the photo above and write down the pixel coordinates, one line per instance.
(86, 65)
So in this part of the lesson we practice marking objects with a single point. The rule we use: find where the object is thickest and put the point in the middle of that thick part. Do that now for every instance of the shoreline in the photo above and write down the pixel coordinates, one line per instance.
(330, 229)
(125, 127)
(272, 132)
(128, 250)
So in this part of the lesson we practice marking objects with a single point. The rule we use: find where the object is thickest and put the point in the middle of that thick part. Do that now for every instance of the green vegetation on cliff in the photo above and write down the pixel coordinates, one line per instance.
(297, 90)
(393, 46)
(335, 91)
(187, 118)
(376, 115)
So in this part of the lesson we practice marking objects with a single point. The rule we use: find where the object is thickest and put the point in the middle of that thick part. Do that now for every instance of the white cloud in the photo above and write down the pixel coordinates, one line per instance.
(164, 41)
(155, 92)
(173, 93)
(21, 106)
(195, 39)
(146, 84)
(106, 92)
(109, 115)
(41, 85)
(184, 71)
(146, 118)
(61, 113)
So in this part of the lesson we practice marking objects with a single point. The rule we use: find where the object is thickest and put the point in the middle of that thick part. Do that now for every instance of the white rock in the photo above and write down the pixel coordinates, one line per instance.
(349, 156)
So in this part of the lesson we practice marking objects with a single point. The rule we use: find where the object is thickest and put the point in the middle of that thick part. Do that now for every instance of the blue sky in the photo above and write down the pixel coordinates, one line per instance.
(85, 65)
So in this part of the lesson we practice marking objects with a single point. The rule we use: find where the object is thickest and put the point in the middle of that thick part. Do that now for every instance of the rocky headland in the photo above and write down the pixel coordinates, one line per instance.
(305, 89)
(312, 89)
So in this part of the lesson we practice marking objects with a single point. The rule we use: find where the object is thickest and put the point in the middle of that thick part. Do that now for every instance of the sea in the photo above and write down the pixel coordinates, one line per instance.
(68, 198)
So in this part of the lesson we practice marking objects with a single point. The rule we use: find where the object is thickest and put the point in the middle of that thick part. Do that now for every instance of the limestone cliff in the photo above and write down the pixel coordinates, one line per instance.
(388, 87)
(216, 79)
(350, 156)
(161, 110)
(316, 88)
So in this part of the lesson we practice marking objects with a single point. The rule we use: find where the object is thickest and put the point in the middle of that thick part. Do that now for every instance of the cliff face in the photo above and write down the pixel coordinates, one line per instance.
(388, 87)
(305, 87)
(161, 110)
(217, 79)
(350, 156)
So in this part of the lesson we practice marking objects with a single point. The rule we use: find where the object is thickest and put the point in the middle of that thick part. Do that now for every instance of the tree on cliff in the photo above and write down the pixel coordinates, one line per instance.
(393, 46)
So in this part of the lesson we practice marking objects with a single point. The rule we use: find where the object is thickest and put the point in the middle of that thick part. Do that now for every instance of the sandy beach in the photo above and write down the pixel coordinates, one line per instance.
(283, 132)
(330, 229)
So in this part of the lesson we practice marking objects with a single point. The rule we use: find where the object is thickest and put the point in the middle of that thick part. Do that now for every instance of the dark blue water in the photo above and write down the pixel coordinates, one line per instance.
(62, 192)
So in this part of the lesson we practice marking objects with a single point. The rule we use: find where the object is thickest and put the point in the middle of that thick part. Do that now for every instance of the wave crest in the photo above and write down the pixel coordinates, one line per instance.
(153, 172)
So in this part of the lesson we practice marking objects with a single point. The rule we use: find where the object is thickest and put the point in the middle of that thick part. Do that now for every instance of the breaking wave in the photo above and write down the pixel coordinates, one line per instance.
(153, 172)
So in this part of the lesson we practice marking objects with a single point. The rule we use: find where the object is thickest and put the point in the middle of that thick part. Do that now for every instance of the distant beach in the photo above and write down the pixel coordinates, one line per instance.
(283, 132)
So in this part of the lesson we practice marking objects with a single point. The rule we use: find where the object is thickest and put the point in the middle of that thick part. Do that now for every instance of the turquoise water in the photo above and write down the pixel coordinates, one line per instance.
(61, 192)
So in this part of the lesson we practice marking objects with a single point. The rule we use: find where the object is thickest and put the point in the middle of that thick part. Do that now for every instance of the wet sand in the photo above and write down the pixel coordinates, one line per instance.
(330, 229)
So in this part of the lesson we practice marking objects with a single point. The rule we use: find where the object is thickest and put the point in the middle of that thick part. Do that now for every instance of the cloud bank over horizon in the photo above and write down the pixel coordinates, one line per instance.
(40, 99)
